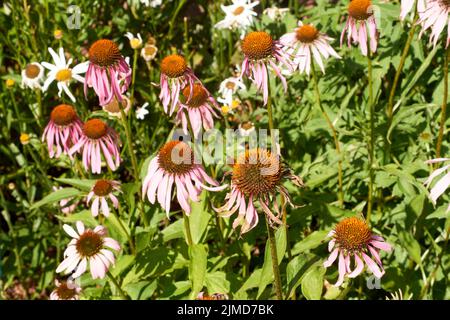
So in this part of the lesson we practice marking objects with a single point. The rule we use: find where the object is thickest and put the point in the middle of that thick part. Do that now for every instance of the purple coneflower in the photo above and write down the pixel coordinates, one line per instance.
(101, 190)
(435, 16)
(65, 290)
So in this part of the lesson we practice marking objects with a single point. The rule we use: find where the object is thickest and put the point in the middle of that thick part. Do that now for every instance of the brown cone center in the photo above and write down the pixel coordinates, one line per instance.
(257, 45)
(173, 66)
(95, 129)
(102, 188)
(89, 244)
(176, 157)
(104, 53)
(352, 234)
(360, 9)
(307, 33)
(199, 95)
(63, 115)
(32, 71)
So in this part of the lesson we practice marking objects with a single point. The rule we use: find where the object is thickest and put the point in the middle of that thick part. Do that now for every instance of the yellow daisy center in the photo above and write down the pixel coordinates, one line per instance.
(238, 10)
(63, 75)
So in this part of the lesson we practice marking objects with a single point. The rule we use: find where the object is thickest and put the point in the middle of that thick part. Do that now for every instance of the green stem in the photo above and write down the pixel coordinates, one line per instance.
(114, 280)
(335, 137)
(187, 228)
(130, 240)
(270, 233)
(273, 254)
(444, 105)
(390, 107)
(133, 77)
(371, 142)
(130, 148)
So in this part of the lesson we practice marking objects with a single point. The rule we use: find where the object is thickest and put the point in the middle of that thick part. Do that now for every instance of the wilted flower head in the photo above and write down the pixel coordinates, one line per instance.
(88, 247)
(174, 165)
(114, 106)
(148, 52)
(257, 176)
(261, 51)
(65, 290)
(307, 42)
(352, 238)
(63, 130)
(97, 139)
(32, 75)
(108, 71)
(361, 26)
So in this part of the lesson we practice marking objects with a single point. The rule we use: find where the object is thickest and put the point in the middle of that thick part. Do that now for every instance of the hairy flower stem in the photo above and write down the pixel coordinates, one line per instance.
(130, 149)
(333, 132)
(114, 280)
(390, 106)
(444, 105)
(371, 141)
(270, 233)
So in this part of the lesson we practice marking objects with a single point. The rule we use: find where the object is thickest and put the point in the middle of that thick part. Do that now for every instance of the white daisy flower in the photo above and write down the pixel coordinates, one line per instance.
(238, 15)
(142, 111)
(32, 75)
(62, 73)
(230, 86)
(135, 42)
(152, 3)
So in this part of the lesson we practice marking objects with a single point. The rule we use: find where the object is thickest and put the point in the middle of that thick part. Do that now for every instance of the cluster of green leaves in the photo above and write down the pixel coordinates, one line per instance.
(163, 266)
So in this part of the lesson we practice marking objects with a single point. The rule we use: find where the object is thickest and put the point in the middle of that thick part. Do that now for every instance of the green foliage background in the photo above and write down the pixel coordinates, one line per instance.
(31, 236)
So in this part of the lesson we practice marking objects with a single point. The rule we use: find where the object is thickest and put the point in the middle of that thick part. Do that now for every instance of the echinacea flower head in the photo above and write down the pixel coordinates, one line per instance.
(148, 52)
(62, 73)
(32, 75)
(306, 42)
(135, 42)
(408, 5)
(443, 182)
(108, 71)
(100, 192)
(65, 290)
(174, 165)
(175, 75)
(199, 109)
(361, 26)
(114, 106)
(352, 238)
(97, 139)
(88, 248)
(257, 176)
(436, 17)
(238, 15)
(261, 51)
(63, 131)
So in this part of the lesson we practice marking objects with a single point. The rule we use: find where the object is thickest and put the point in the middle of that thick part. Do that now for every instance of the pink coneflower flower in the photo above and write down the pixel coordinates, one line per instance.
(62, 131)
(65, 290)
(88, 247)
(435, 16)
(175, 75)
(307, 41)
(101, 190)
(98, 139)
(200, 109)
(442, 184)
(353, 238)
(174, 165)
(257, 176)
(361, 26)
(108, 72)
(260, 52)
(408, 5)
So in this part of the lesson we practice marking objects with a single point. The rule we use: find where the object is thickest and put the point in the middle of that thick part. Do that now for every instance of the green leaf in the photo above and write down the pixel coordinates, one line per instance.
(199, 218)
(85, 185)
(310, 242)
(142, 290)
(84, 216)
(411, 245)
(57, 196)
(173, 231)
(197, 267)
(216, 282)
(312, 282)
